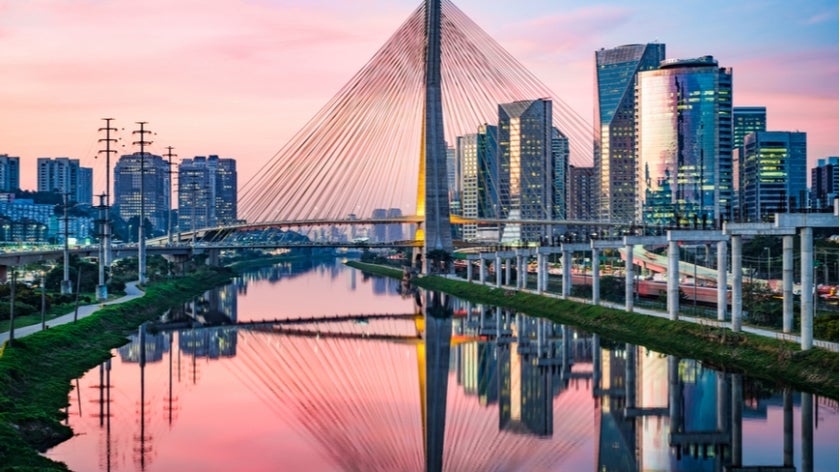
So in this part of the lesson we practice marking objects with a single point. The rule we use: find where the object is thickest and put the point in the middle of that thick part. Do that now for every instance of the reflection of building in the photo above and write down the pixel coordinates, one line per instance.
(155, 346)
(212, 343)
(526, 167)
(684, 141)
(615, 112)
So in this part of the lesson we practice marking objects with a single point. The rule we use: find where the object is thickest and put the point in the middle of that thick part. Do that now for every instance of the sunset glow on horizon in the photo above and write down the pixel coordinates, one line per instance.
(238, 78)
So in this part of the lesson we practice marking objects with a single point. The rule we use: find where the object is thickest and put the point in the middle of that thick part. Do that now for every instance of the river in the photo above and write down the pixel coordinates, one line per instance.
(364, 375)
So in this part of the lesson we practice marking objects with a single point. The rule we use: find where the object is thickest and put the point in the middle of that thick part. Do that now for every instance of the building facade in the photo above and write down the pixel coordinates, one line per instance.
(9, 173)
(774, 174)
(65, 176)
(616, 72)
(560, 166)
(526, 167)
(824, 182)
(580, 205)
(155, 197)
(684, 143)
(207, 191)
(745, 120)
(478, 155)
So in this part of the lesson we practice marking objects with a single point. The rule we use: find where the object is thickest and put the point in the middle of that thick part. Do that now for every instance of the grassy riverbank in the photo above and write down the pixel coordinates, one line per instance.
(815, 370)
(36, 372)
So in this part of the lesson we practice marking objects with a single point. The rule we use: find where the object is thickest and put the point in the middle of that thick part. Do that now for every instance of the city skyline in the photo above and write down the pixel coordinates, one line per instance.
(217, 80)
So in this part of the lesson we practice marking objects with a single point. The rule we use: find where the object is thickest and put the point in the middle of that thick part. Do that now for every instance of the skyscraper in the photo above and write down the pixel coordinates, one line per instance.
(560, 167)
(478, 155)
(615, 109)
(580, 204)
(9, 173)
(526, 177)
(774, 173)
(155, 197)
(684, 141)
(745, 120)
(824, 182)
(207, 191)
(65, 176)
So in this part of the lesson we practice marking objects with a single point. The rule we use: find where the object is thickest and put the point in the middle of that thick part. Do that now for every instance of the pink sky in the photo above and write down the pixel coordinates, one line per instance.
(238, 78)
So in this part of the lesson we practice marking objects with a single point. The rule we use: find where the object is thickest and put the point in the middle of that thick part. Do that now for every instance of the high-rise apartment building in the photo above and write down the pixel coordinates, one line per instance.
(9, 173)
(684, 142)
(580, 205)
(207, 191)
(155, 195)
(478, 155)
(616, 71)
(526, 167)
(774, 173)
(66, 176)
(560, 166)
(824, 182)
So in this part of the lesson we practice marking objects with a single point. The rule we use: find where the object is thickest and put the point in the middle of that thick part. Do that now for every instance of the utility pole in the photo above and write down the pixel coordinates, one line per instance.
(12, 307)
(43, 302)
(102, 288)
(141, 238)
(107, 224)
(66, 287)
(169, 156)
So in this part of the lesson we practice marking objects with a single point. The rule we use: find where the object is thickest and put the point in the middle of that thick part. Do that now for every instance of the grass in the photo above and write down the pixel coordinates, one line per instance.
(814, 370)
(35, 373)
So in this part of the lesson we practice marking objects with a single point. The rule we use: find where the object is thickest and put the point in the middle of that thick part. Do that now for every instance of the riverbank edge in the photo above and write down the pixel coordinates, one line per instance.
(36, 374)
(814, 371)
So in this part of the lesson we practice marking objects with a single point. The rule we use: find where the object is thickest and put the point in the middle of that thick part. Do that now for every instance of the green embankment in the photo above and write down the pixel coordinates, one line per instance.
(36, 372)
(814, 370)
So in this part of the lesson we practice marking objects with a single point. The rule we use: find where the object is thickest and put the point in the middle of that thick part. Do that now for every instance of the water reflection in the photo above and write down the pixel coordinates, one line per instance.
(442, 385)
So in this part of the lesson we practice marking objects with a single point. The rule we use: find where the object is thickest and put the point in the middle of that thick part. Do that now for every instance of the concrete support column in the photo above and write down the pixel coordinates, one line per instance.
(787, 284)
(469, 270)
(482, 271)
(523, 269)
(507, 271)
(737, 283)
(497, 267)
(722, 288)
(673, 281)
(519, 284)
(596, 276)
(540, 263)
(567, 273)
(806, 236)
(628, 277)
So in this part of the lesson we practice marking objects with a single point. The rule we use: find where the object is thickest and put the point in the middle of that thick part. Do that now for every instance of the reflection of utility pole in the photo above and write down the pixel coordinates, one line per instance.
(66, 288)
(141, 237)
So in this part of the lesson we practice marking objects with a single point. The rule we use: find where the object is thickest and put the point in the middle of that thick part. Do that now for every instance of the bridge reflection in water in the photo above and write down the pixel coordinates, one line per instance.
(497, 391)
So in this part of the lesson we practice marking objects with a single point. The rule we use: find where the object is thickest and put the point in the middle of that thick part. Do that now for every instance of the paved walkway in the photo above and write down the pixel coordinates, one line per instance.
(131, 292)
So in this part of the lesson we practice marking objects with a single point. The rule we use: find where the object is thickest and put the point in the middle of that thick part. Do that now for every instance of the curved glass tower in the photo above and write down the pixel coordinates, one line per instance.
(684, 143)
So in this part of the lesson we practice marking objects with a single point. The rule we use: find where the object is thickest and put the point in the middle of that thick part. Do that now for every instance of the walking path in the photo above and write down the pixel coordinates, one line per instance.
(131, 292)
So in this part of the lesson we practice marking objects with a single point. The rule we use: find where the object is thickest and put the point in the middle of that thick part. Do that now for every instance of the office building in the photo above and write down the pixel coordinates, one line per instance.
(526, 167)
(9, 173)
(478, 155)
(155, 197)
(580, 205)
(774, 174)
(745, 120)
(65, 176)
(616, 71)
(560, 167)
(684, 141)
(824, 182)
(207, 191)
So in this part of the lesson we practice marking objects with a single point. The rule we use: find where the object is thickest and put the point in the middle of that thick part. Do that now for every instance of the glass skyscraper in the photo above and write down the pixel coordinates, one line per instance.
(745, 120)
(526, 167)
(774, 173)
(684, 142)
(478, 155)
(615, 110)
